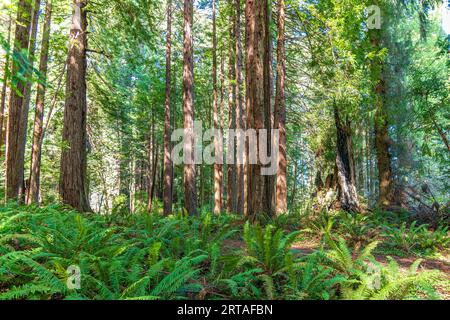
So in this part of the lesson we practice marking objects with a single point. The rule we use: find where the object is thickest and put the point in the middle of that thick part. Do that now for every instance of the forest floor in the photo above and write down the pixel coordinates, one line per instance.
(306, 247)
(150, 256)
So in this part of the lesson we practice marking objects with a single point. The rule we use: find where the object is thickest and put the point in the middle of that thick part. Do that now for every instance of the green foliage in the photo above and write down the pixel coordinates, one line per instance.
(389, 283)
(365, 278)
(268, 247)
(415, 238)
(313, 280)
(144, 256)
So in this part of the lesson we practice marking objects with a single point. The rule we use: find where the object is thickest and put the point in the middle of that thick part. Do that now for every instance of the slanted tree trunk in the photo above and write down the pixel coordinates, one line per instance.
(73, 189)
(33, 190)
(190, 190)
(441, 132)
(167, 197)
(15, 151)
(218, 173)
(345, 164)
(5, 85)
(280, 113)
(240, 115)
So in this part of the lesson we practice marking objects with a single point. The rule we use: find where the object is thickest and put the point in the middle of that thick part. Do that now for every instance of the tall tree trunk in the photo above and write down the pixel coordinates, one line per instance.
(151, 195)
(280, 114)
(294, 188)
(167, 130)
(5, 85)
(27, 93)
(231, 152)
(269, 180)
(240, 116)
(15, 151)
(73, 189)
(367, 153)
(175, 124)
(218, 174)
(124, 164)
(255, 101)
(132, 184)
(382, 140)
(345, 164)
(33, 191)
(190, 192)
(222, 110)
(153, 162)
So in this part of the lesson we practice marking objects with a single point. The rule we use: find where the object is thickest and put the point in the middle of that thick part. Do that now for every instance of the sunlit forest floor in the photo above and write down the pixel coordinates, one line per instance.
(302, 255)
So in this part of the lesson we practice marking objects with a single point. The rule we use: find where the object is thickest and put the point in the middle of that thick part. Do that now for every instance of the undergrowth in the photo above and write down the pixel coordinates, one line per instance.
(148, 256)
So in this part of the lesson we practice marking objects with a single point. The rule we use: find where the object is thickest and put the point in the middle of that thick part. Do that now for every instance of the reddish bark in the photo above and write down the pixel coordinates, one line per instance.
(73, 189)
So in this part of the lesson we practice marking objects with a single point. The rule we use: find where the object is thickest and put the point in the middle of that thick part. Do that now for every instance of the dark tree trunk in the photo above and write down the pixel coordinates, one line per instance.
(15, 151)
(167, 130)
(73, 189)
(190, 190)
(33, 191)
(382, 140)
(345, 165)
(153, 163)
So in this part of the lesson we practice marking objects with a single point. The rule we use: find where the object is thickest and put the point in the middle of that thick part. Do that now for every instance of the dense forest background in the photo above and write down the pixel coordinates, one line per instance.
(359, 89)
(330, 62)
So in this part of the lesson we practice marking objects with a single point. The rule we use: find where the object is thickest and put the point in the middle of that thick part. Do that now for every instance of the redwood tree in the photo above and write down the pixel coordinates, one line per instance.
(255, 58)
(15, 151)
(27, 93)
(345, 164)
(73, 189)
(218, 174)
(240, 114)
(280, 113)
(231, 152)
(33, 190)
(167, 196)
(4, 86)
(190, 190)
